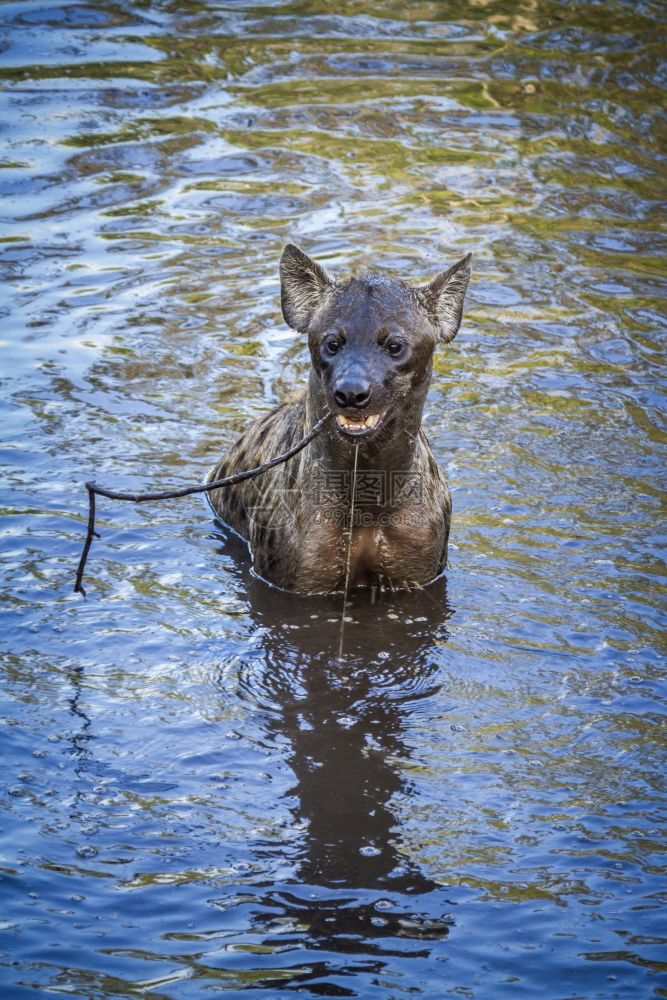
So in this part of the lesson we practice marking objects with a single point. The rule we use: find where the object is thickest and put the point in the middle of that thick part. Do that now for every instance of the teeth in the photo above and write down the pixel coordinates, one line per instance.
(358, 424)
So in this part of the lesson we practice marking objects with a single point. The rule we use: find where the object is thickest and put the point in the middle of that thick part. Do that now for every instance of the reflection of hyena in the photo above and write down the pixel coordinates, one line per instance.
(371, 343)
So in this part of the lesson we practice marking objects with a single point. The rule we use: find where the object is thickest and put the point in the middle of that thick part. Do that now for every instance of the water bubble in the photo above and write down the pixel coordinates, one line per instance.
(86, 851)
(369, 851)
(39, 753)
(458, 729)
(384, 904)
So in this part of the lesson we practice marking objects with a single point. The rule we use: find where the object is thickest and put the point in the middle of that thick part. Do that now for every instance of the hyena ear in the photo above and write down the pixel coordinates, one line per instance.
(443, 298)
(303, 284)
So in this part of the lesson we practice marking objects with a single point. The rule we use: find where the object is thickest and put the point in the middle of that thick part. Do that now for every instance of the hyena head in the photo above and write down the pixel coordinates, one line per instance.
(371, 343)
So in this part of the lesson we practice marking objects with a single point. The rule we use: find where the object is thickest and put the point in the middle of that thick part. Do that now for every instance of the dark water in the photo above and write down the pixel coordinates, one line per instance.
(196, 795)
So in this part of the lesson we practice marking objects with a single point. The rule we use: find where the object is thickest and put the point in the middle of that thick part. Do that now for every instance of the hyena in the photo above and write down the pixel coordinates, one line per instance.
(371, 341)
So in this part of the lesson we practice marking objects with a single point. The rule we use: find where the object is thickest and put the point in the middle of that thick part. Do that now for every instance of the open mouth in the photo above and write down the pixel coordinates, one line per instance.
(359, 424)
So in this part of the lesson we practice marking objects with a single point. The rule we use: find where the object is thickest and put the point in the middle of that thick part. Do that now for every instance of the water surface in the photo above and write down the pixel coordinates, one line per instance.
(197, 796)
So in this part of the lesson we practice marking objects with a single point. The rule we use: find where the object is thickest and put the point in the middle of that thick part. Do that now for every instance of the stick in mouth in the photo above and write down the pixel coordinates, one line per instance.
(358, 424)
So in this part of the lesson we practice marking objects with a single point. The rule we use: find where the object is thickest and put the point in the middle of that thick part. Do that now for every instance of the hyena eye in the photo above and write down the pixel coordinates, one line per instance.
(394, 348)
(332, 345)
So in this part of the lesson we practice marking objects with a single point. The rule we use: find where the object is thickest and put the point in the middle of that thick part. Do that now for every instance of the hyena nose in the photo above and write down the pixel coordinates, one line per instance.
(353, 392)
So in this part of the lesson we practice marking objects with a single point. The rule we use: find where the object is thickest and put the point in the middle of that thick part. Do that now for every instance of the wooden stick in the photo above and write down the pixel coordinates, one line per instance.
(238, 477)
